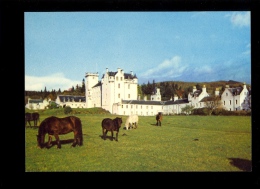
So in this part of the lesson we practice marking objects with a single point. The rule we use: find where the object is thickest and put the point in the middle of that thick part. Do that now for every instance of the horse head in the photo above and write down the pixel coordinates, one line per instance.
(118, 121)
(40, 140)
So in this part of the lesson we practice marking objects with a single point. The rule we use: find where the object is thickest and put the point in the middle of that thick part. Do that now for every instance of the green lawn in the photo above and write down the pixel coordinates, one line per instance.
(181, 144)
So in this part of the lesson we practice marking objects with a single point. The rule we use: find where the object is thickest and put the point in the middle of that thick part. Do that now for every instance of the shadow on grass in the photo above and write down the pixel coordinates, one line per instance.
(155, 125)
(107, 137)
(32, 127)
(242, 164)
(54, 143)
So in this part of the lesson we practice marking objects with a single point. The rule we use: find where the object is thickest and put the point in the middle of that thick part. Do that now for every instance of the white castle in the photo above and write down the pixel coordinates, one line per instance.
(117, 92)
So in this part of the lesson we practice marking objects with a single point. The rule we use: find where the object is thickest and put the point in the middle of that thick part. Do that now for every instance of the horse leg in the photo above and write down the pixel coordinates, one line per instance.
(112, 134)
(104, 134)
(117, 136)
(57, 140)
(75, 140)
(49, 141)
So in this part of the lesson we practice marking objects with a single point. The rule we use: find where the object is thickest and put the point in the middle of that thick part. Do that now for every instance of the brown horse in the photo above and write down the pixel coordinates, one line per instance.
(32, 117)
(159, 119)
(59, 126)
(111, 125)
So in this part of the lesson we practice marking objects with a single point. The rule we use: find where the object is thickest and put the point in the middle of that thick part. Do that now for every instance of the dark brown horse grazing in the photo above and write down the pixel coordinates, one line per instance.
(59, 126)
(159, 119)
(32, 117)
(111, 125)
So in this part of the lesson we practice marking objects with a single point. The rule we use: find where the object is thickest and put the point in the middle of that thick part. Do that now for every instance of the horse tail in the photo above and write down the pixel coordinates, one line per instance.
(78, 126)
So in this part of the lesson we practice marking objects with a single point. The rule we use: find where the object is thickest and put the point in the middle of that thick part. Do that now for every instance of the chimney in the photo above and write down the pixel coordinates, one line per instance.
(244, 85)
(217, 92)
(158, 91)
(194, 89)
(204, 88)
(106, 69)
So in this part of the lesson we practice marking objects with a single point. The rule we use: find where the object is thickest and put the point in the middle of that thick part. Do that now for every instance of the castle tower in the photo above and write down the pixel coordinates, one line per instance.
(91, 81)
(156, 96)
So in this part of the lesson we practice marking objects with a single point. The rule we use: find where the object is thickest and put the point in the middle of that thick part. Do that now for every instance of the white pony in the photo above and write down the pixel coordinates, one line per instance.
(131, 121)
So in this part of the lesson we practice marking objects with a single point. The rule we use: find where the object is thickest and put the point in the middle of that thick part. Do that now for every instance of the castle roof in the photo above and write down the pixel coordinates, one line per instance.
(70, 98)
(148, 102)
(126, 75)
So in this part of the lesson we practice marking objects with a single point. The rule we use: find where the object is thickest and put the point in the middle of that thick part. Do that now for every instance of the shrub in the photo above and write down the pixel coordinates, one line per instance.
(200, 111)
(67, 110)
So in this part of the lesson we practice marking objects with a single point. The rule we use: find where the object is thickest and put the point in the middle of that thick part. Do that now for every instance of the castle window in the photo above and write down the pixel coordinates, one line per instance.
(126, 106)
(119, 85)
(224, 103)
(128, 95)
(236, 101)
(119, 95)
(131, 106)
(151, 107)
(136, 106)
(230, 102)
(122, 106)
(117, 78)
(226, 94)
(146, 107)
(128, 86)
(121, 78)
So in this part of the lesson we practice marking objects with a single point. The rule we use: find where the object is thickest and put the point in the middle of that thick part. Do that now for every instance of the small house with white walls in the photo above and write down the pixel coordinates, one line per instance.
(72, 101)
(237, 98)
(37, 104)
(196, 96)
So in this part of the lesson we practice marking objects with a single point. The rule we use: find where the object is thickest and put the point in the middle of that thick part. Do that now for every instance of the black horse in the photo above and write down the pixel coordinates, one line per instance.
(35, 117)
(59, 126)
(159, 119)
(111, 125)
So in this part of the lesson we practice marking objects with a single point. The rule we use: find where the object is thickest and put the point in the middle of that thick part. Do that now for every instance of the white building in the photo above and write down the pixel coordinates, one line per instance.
(72, 101)
(237, 98)
(117, 93)
(112, 89)
(37, 104)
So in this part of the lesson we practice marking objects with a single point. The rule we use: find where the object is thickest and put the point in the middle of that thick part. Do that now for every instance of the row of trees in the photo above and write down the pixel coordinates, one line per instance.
(77, 91)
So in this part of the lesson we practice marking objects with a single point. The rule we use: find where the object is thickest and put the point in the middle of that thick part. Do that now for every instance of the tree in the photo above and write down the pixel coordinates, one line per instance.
(187, 109)
(212, 103)
(83, 86)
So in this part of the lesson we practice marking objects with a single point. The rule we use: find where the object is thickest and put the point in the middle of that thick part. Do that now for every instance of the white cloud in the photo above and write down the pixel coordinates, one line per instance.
(239, 19)
(168, 68)
(52, 82)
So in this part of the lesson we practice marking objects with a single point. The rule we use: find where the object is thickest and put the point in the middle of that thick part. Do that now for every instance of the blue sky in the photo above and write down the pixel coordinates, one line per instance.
(60, 47)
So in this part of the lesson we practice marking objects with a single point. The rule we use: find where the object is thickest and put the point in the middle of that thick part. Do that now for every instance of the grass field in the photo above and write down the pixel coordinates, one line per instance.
(181, 144)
